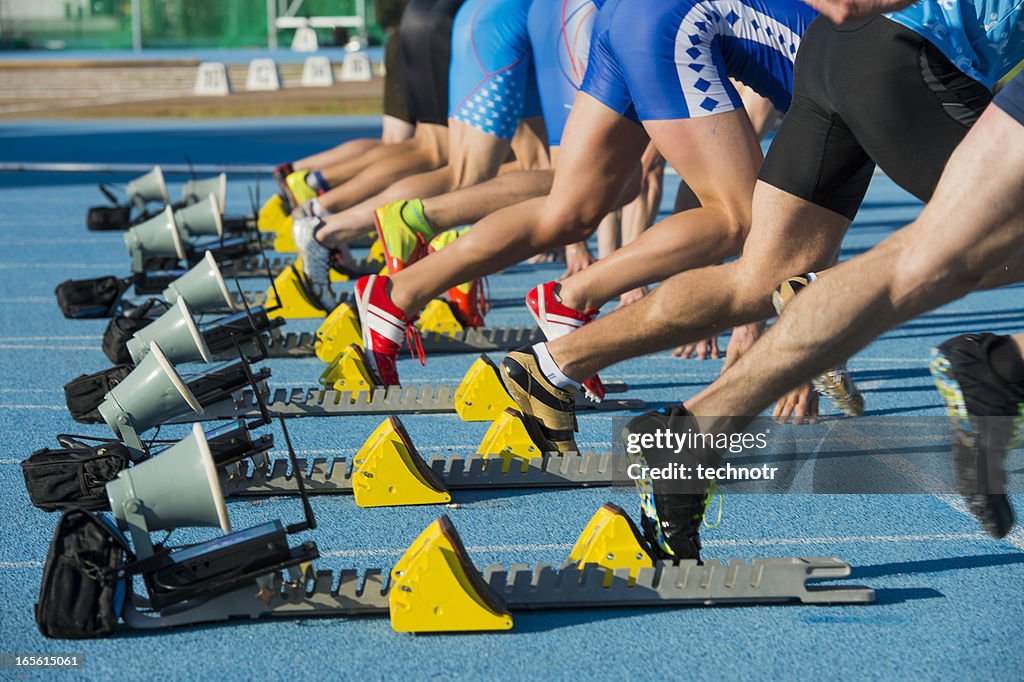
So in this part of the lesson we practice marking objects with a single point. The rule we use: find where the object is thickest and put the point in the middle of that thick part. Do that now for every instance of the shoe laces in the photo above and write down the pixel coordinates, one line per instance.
(415, 343)
(709, 497)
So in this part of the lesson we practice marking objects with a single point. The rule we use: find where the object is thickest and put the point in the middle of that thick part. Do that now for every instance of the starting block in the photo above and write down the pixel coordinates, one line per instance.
(295, 301)
(481, 396)
(274, 217)
(332, 274)
(376, 249)
(349, 372)
(338, 332)
(387, 471)
(439, 318)
(611, 540)
(510, 438)
(436, 588)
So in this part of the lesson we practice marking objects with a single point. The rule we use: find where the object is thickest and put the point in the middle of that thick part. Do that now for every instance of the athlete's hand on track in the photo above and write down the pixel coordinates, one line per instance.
(577, 257)
(546, 257)
(740, 341)
(839, 11)
(701, 350)
(632, 296)
(799, 406)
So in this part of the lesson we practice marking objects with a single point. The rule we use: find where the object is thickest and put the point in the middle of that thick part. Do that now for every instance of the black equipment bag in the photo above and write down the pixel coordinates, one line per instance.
(73, 476)
(82, 298)
(85, 393)
(84, 586)
(104, 218)
(123, 327)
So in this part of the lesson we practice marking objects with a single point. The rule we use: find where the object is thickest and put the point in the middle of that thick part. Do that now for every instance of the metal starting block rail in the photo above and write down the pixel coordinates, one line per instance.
(435, 587)
(484, 340)
(319, 402)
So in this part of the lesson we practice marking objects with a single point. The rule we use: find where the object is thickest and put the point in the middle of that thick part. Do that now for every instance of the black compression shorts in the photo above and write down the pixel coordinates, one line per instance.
(426, 38)
(1011, 98)
(864, 93)
(395, 103)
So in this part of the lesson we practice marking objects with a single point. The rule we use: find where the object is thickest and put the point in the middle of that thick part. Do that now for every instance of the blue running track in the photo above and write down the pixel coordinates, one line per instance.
(949, 598)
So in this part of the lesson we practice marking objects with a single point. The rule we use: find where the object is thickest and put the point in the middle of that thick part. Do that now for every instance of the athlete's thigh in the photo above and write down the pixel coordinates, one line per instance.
(718, 157)
(906, 103)
(789, 235)
(600, 153)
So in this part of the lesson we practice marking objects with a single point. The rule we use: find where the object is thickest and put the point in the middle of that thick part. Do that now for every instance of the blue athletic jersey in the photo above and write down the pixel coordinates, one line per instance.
(659, 59)
(983, 38)
(560, 35)
(492, 84)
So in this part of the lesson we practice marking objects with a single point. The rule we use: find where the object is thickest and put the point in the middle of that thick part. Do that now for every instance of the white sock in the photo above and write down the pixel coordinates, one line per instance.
(547, 365)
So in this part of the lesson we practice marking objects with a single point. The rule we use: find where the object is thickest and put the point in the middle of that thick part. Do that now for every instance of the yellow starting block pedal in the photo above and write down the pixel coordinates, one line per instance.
(339, 331)
(510, 438)
(436, 588)
(612, 541)
(376, 250)
(481, 396)
(295, 301)
(272, 215)
(349, 372)
(388, 472)
(438, 318)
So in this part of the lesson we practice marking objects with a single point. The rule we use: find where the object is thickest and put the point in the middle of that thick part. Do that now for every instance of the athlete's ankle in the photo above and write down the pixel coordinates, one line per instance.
(565, 363)
(403, 296)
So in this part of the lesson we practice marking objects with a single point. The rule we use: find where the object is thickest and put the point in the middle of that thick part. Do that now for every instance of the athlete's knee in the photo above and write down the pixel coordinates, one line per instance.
(566, 222)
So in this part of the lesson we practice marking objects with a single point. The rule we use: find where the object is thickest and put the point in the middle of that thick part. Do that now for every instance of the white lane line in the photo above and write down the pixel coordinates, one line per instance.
(26, 299)
(27, 406)
(955, 502)
(59, 266)
(20, 339)
(36, 346)
(522, 548)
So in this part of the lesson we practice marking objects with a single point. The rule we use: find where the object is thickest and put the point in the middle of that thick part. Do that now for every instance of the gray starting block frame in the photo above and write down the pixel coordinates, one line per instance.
(323, 476)
(383, 400)
(526, 588)
(487, 340)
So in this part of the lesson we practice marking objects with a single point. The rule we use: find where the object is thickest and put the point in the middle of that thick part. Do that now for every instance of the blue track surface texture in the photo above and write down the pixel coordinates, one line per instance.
(949, 597)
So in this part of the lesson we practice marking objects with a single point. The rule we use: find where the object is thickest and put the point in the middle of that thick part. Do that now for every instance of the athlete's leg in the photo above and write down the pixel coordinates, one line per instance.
(595, 162)
(336, 155)
(427, 149)
(790, 235)
(932, 261)
(474, 156)
(718, 158)
(467, 206)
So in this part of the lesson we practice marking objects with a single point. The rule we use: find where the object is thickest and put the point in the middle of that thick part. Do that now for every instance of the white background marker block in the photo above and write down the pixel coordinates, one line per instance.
(316, 72)
(263, 75)
(212, 79)
(356, 67)
(305, 40)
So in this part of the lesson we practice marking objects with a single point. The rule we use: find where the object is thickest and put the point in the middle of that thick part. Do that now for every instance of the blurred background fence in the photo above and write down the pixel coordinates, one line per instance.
(141, 24)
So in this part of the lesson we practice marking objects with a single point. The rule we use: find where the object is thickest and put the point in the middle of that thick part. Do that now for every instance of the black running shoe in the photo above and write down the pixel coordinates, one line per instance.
(671, 511)
(983, 406)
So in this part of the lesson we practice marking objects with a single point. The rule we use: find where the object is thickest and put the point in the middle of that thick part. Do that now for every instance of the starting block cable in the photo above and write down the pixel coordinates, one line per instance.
(435, 587)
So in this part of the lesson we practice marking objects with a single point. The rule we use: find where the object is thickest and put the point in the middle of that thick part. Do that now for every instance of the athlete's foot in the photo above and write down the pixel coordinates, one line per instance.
(403, 232)
(988, 411)
(556, 319)
(384, 326)
(550, 410)
(836, 384)
(281, 172)
(671, 512)
(298, 189)
(316, 263)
